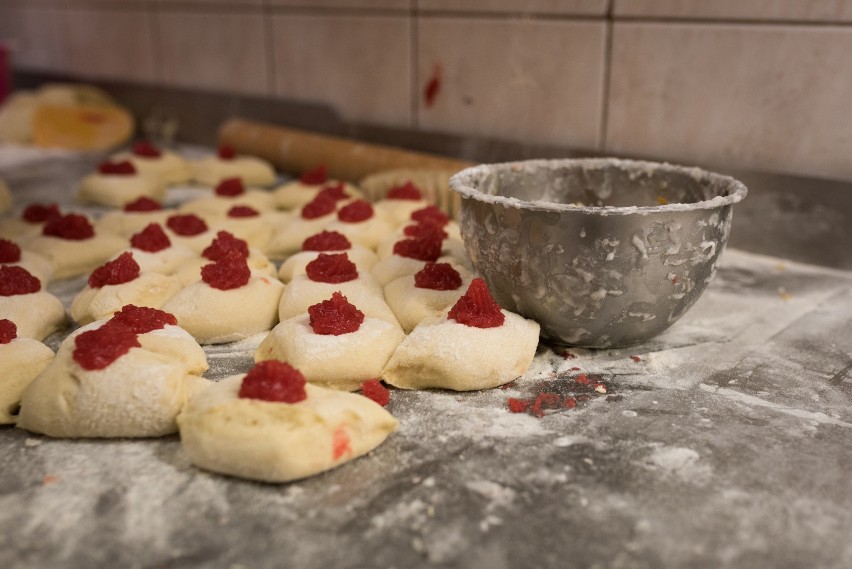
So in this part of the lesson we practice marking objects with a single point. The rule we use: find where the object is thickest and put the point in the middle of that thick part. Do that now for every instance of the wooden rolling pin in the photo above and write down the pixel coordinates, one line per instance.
(296, 151)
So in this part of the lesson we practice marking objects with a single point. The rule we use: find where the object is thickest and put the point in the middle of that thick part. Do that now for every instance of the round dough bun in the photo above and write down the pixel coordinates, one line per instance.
(395, 267)
(337, 362)
(363, 258)
(445, 354)
(258, 263)
(294, 195)
(368, 233)
(137, 395)
(148, 289)
(411, 305)
(398, 212)
(165, 262)
(279, 442)
(72, 258)
(216, 316)
(288, 239)
(363, 292)
(21, 360)
(117, 190)
(129, 223)
(453, 244)
(35, 264)
(37, 315)
(253, 171)
(216, 205)
(169, 167)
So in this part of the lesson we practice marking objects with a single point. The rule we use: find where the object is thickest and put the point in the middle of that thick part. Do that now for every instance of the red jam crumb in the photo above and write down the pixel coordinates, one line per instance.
(373, 389)
(331, 268)
(335, 192)
(187, 224)
(243, 211)
(318, 207)
(341, 443)
(275, 381)
(518, 405)
(229, 272)
(143, 204)
(123, 168)
(438, 276)
(407, 191)
(151, 239)
(426, 248)
(223, 244)
(96, 349)
(9, 251)
(431, 215)
(120, 270)
(230, 187)
(545, 401)
(8, 331)
(146, 149)
(142, 319)
(316, 176)
(39, 213)
(16, 280)
(335, 316)
(74, 227)
(477, 308)
(636, 359)
(355, 212)
(424, 229)
(326, 241)
(226, 152)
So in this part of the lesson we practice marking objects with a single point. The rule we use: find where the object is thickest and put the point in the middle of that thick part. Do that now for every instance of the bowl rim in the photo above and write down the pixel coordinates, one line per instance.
(461, 184)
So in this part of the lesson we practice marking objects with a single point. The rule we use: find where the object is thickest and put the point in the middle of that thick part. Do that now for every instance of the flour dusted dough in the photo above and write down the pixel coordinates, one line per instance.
(253, 171)
(256, 231)
(19, 230)
(71, 258)
(35, 264)
(452, 245)
(445, 354)
(37, 315)
(398, 212)
(395, 266)
(279, 442)
(336, 362)
(258, 263)
(363, 292)
(129, 223)
(5, 197)
(169, 167)
(294, 195)
(216, 316)
(288, 239)
(363, 258)
(148, 289)
(196, 243)
(21, 360)
(116, 190)
(216, 205)
(165, 261)
(368, 233)
(411, 305)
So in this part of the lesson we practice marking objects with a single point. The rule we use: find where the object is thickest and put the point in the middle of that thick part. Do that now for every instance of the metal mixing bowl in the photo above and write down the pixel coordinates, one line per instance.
(601, 252)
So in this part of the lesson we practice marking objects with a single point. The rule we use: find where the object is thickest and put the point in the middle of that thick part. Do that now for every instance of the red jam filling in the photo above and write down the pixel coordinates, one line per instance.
(39, 213)
(431, 215)
(142, 319)
(16, 280)
(223, 244)
(186, 225)
(316, 176)
(335, 192)
(74, 227)
(123, 168)
(438, 276)
(426, 248)
(518, 405)
(373, 389)
(407, 191)
(151, 239)
(96, 349)
(146, 149)
(143, 204)
(9, 251)
(356, 212)
(476, 308)
(326, 241)
(424, 229)
(120, 270)
(243, 211)
(8, 331)
(331, 268)
(335, 316)
(320, 206)
(226, 152)
(275, 381)
(229, 272)
(230, 187)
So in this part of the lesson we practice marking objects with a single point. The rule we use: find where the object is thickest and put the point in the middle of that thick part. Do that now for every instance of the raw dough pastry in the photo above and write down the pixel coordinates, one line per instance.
(364, 292)
(37, 314)
(198, 242)
(252, 170)
(190, 270)
(294, 195)
(218, 205)
(35, 264)
(70, 257)
(336, 362)
(289, 238)
(129, 223)
(148, 289)
(166, 261)
(169, 167)
(445, 354)
(295, 265)
(453, 244)
(5, 197)
(216, 316)
(411, 305)
(116, 190)
(368, 233)
(395, 267)
(21, 360)
(279, 442)
(256, 230)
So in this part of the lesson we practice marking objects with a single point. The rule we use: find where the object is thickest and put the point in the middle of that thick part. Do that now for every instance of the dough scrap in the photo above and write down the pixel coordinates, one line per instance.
(279, 442)
(21, 360)
(148, 289)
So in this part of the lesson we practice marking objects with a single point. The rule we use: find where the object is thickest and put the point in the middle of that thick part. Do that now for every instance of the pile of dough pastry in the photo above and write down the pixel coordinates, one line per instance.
(126, 377)
(118, 183)
(326, 242)
(21, 360)
(226, 164)
(269, 425)
(163, 165)
(476, 345)
(11, 254)
(35, 312)
(294, 195)
(70, 244)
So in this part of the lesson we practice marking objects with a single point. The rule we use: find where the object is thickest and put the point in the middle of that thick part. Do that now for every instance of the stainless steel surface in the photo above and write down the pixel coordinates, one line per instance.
(601, 252)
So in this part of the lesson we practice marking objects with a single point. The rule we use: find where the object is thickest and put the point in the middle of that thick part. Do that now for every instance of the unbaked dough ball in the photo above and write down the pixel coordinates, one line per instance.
(395, 267)
(165, 165)
(166, 261)
(367, 233)
(336, 362)
(33, 263)
(293, 195)
(37, 315)
(278, 442)
(445, 354)
(115, 190)
(288, 239)
(252, 170)
(21, 360)
(363, 258)
(5, 197)
(178, 234)
(412, 305)
(452, 246)
(129, 223)
(190, 270)
(364, 292)
(219, 205)
(74, 257)
(148, 289)
(256, 230)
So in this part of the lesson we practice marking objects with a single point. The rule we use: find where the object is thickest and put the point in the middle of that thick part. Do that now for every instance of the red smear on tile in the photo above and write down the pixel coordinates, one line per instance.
(433, 86)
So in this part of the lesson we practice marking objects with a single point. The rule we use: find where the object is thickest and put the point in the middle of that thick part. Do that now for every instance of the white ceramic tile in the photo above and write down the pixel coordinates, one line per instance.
(113, 44)
(360, 66)
(235, 4)
(526, 80)
(346, 4)
(574, 7)
(36, 37)
(766, 97)
(208, 50)
(826, 10)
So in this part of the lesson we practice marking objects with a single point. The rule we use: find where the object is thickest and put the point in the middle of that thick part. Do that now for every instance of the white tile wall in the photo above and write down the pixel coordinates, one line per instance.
(818, 10)
(36, 37)
(574, 7)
